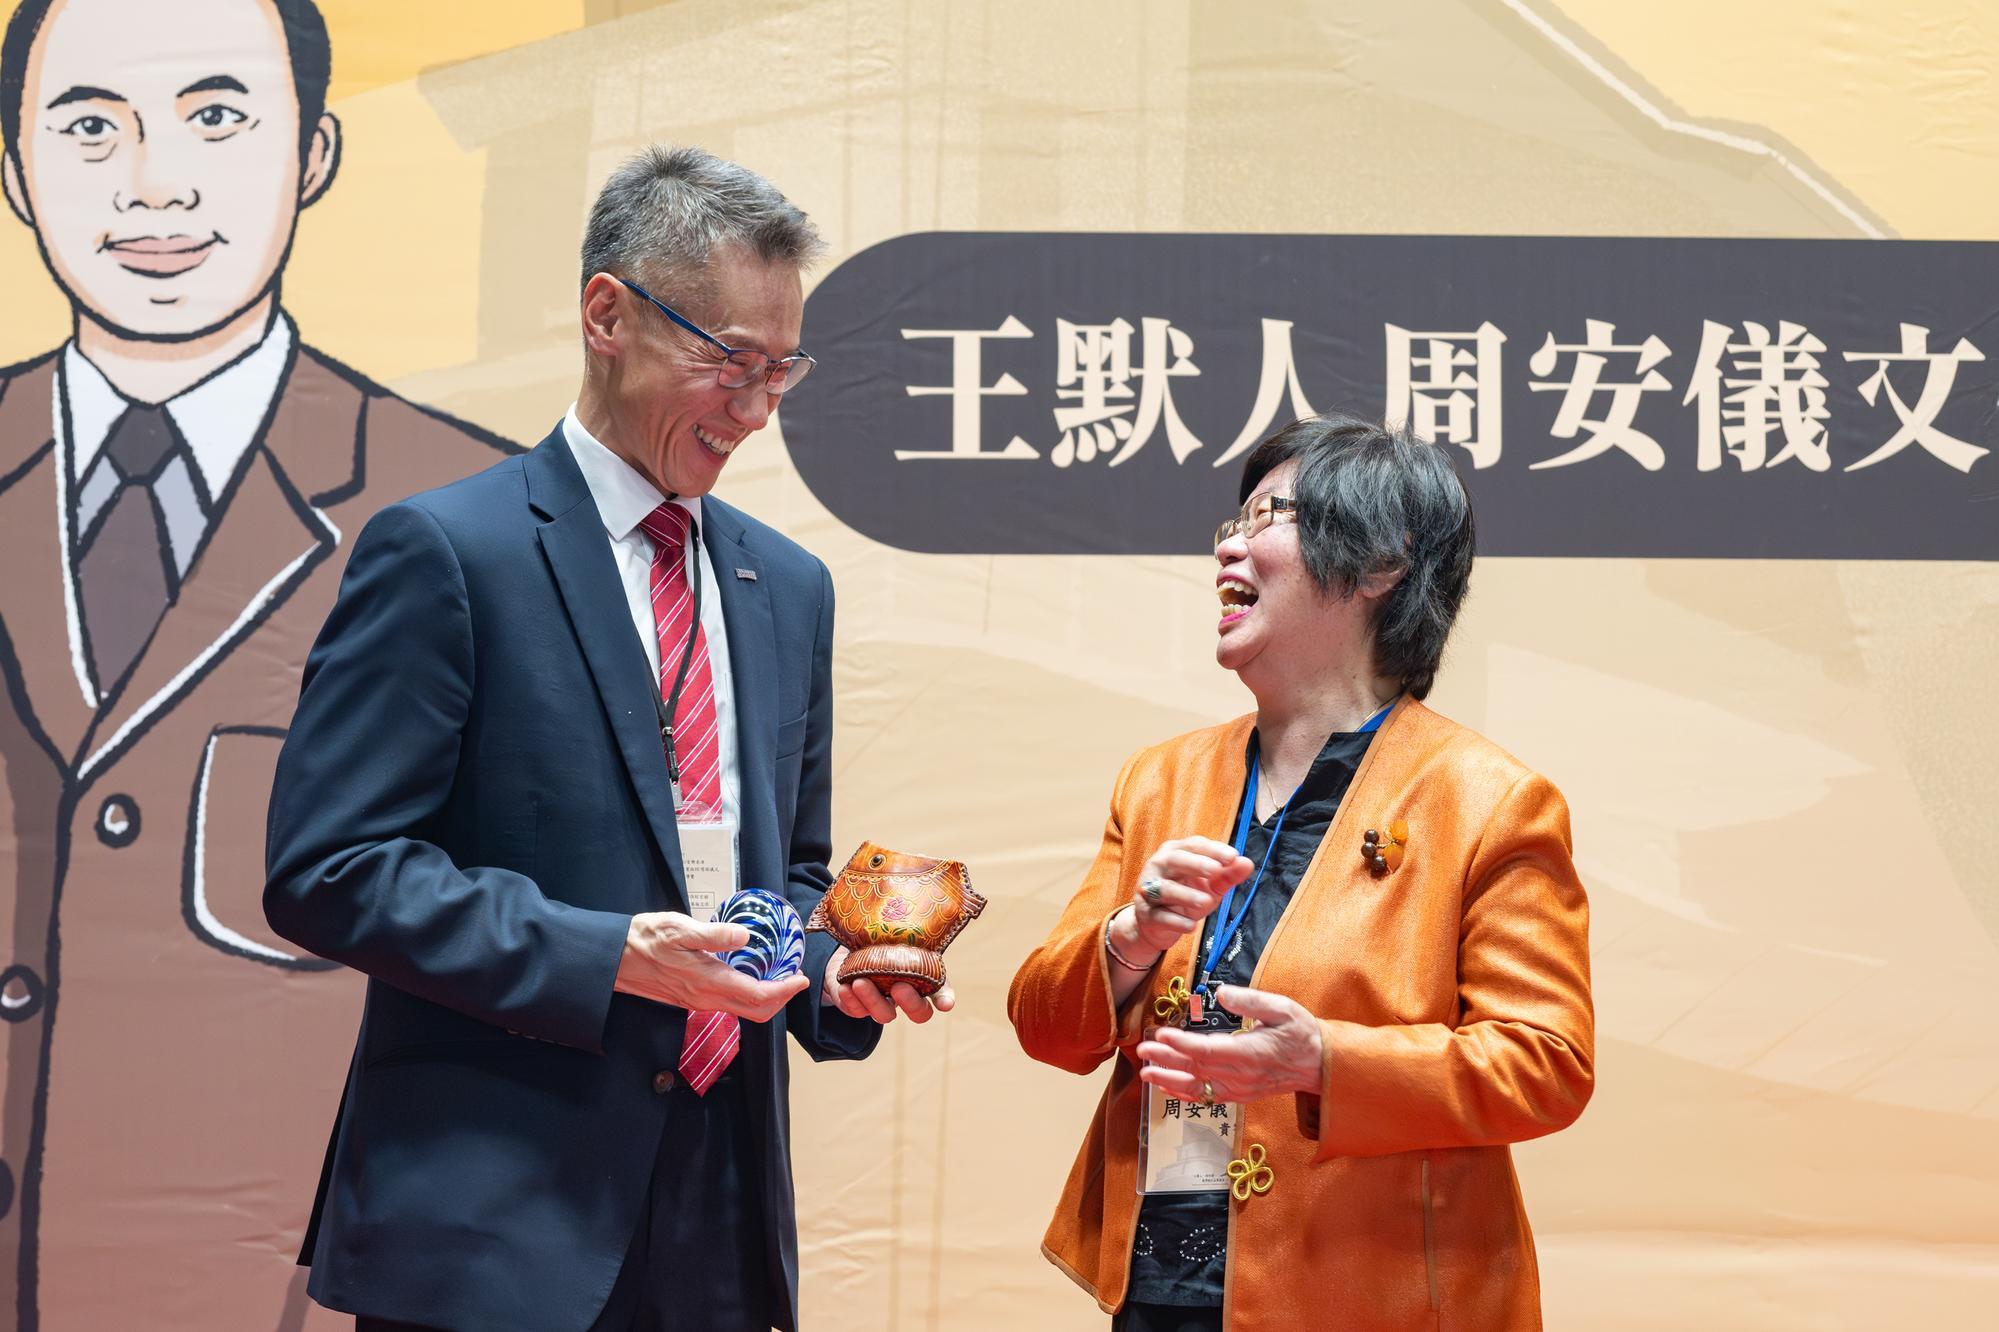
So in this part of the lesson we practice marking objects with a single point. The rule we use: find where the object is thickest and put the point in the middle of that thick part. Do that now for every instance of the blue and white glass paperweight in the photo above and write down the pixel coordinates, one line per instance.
(777, 937)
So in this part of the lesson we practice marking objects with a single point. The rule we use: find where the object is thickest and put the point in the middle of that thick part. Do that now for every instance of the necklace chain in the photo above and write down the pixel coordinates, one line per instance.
(1267, 787)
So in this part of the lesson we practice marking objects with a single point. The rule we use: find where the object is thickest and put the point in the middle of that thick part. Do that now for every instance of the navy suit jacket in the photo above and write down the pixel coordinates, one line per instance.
(470, 806)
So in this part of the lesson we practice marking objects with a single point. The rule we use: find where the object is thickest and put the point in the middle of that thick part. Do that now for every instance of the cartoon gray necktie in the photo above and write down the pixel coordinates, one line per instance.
(141, 516)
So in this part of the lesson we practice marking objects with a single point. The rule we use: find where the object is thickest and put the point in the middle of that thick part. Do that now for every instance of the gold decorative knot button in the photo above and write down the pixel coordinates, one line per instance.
(1249, 1174)
(1382, 856)
(1173, 1003)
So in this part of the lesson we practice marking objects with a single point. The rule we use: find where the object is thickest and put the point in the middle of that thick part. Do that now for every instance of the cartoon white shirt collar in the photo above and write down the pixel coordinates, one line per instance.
(218, 417)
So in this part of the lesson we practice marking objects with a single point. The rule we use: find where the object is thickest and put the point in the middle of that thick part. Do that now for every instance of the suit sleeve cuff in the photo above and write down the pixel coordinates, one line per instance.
(585, 960)
(824, 1030)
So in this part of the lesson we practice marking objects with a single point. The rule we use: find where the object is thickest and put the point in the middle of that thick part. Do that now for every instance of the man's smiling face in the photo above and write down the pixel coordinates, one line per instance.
(159, 154)
(686, 425)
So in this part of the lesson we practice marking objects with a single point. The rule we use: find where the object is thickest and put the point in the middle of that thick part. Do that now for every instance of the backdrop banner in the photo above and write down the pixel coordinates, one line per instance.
(1095, 394)
(1699, 297)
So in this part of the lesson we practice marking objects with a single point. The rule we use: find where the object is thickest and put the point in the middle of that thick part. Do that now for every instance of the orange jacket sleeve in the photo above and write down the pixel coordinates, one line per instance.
(1060, 1000)
(1519, 1061)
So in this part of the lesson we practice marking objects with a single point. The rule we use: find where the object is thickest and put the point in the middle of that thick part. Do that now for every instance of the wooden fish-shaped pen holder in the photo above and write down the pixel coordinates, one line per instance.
(896, 913)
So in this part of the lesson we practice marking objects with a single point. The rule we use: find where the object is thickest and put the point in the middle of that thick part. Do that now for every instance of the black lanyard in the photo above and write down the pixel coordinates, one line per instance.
(670, 706)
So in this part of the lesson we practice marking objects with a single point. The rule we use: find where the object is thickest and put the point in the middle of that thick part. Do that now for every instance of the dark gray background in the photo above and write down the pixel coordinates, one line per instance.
(845, 424)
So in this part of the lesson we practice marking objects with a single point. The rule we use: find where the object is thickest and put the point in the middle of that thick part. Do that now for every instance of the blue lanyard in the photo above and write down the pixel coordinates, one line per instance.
(1231, 923)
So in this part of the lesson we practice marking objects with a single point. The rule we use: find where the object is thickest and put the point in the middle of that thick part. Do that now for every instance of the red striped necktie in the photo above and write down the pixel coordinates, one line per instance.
(712, 1038)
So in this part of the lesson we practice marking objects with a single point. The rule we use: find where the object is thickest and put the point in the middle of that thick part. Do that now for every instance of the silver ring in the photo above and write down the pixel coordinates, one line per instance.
(1150, 890)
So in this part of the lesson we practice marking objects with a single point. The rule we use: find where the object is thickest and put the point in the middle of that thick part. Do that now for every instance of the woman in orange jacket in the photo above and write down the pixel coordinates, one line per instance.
(1326, 1029)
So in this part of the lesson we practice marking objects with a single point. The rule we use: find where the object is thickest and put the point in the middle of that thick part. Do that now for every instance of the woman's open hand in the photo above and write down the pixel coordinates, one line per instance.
(1279, 1051)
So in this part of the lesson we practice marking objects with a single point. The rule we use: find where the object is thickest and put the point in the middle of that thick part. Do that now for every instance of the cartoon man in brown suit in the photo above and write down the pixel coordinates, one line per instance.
(178, 483)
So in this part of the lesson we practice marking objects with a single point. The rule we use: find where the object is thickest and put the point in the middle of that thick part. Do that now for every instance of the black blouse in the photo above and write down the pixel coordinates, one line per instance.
(1179, 1252)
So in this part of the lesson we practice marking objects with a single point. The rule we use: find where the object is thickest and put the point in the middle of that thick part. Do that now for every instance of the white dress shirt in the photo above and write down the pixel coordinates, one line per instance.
(624, 498)
(219, 418)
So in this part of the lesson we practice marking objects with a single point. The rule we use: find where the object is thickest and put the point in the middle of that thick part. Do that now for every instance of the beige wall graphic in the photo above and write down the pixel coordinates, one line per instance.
(1780, 772)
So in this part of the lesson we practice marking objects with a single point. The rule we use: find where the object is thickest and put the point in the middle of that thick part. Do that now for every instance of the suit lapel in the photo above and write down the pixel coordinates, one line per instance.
(753, 667)
(315, 410)
(266, 539)
(586, 576)
(36, 665)
(265, 543)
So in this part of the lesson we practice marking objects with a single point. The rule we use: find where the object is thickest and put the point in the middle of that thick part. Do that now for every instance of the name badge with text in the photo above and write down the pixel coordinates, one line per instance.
(708, 856)
(1186, 1145)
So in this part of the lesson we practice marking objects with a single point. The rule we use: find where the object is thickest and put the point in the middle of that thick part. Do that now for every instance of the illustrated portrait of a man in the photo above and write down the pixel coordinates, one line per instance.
(179, 482)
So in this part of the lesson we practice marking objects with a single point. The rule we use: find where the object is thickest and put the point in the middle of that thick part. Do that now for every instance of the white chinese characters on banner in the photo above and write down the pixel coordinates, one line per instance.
(1759, 398)
(1919, 422)
(1743, 391)
(968, 392)
(1451, 392)
(1094, 373)
(1279, 377)
(1614, 429)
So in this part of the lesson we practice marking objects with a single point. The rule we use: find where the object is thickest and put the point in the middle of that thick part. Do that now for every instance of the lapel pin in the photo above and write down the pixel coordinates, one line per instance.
(747, 575)
(1384, 855)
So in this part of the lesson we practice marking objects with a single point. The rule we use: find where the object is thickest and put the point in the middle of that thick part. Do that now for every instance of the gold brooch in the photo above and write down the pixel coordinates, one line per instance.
(1250, 1174)
(1383, 856)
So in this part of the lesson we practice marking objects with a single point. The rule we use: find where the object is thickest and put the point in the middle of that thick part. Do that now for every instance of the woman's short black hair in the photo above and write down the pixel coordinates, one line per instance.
(1374, 499)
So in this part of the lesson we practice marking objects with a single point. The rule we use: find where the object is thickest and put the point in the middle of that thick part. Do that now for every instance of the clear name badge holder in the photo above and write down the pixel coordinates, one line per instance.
(1185, 1146)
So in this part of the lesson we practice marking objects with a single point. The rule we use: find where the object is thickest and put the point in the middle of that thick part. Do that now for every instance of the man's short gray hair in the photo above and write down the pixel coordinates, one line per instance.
(664, 212)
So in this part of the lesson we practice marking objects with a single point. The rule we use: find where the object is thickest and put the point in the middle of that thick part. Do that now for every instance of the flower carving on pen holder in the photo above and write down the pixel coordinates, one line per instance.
(896, 913)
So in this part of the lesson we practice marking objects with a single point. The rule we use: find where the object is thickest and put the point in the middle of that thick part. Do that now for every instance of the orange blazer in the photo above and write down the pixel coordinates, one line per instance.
(1453, 996)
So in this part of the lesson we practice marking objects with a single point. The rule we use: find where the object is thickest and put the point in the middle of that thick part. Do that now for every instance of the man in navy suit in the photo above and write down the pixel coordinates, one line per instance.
(559, 710)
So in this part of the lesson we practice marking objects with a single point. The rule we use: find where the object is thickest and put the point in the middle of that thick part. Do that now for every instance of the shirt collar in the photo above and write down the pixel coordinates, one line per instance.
(624, 497)
(219, 417)
(1332, 771)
